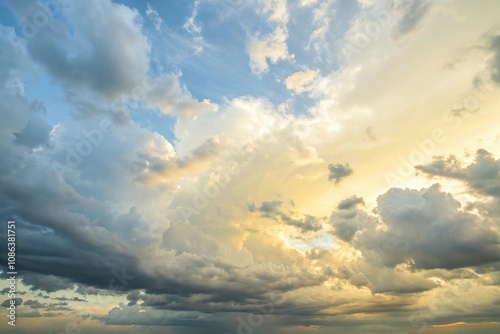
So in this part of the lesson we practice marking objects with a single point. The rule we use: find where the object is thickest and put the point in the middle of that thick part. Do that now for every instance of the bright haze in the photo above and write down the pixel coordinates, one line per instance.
(251, 166)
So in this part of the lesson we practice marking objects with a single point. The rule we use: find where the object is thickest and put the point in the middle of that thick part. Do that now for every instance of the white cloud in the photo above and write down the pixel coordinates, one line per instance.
(157, 20)
(307, 3)
(323, 15)
(194, 28)
(168, 95)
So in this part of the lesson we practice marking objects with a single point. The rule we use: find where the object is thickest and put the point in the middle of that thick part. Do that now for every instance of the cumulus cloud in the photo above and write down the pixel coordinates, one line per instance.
(429, 227)
(350, 203)
(482, 175)
(7, 303)
(158, 161)
(299, 81)
(106, 56)
(339, 171)
(348, 220)
(106, 52)
(276, 10)
(271, 47)
(170, 97)
(272, 209)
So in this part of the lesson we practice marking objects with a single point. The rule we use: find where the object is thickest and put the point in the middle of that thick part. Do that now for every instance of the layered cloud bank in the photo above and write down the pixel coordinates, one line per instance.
(252, 166)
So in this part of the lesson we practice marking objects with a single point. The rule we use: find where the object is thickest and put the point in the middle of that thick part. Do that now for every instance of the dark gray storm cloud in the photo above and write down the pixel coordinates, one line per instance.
(46, 283)
(429, 227)
(495, 61)
(338, 171)
(267, 208)
(482, 175)
(92, 50)
(34, 304)
(350, 203)
(272, 209)
(349, 220)
(7, 302)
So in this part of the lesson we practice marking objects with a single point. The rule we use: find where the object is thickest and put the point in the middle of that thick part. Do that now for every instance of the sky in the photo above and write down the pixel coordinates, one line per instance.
(251, 166)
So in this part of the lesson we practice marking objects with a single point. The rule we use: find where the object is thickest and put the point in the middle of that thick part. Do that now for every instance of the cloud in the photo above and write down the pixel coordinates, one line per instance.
(104, 63)
(46, 283)
(349, 220)
(240, 122)
(106, 52)
(307, 3)
(271, 209)
(112, 226)
(194, 28)
(482, 175)
(350, 203)
(186, 238)
(413, 12)
(157, 20)
(495, 61)
(384, 280)
(428, 227)
(147, 316)
(34, 304)
(7, 302)
(276, 10)
(271, 46)
(75, 299)
(170, 97)
(267, 209)
(307, 224)
(33, 314)
(299, 81)
(159, 163)
(322, 19)
(14, 54)
(37, 130)
(339, 171)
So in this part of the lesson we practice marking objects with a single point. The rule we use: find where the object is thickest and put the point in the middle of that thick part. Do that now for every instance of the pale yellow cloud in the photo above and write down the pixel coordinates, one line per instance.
(299, 81)
(271, 47)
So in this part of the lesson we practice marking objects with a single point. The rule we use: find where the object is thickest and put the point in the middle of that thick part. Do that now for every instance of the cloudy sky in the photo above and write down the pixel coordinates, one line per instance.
(251, 166)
